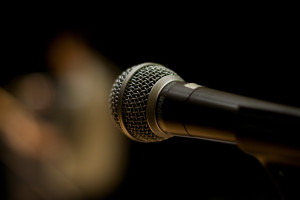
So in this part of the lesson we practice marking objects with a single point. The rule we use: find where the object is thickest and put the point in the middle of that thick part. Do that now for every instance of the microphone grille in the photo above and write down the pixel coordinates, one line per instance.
(114, 94)
(134, 86)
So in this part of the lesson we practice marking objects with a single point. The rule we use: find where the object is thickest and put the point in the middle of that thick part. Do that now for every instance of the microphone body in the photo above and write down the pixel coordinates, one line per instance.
(267, 130)
(151, 103)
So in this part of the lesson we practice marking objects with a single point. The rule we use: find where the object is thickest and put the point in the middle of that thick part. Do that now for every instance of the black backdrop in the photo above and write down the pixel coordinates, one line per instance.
(247, 54)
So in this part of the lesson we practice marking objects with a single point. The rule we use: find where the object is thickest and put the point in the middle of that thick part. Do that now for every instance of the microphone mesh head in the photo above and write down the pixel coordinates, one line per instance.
(134, 99)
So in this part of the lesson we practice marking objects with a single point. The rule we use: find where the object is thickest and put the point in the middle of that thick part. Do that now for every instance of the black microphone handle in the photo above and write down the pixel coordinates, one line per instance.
(269, 131)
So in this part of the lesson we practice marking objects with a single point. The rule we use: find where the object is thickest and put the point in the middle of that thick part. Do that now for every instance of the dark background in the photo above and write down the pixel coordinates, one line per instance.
(252, 54)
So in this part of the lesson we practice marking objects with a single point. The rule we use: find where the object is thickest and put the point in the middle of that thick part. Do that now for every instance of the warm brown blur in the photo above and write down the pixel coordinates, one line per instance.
(59, 137)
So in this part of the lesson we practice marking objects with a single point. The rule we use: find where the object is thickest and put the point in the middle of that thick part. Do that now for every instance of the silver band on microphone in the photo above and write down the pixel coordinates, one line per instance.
(151, 104)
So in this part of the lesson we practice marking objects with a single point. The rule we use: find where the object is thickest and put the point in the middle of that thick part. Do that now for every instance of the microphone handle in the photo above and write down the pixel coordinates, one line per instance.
(264, 129)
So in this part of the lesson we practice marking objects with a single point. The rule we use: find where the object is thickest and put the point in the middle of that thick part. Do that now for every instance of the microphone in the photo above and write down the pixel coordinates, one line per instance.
(151, 103)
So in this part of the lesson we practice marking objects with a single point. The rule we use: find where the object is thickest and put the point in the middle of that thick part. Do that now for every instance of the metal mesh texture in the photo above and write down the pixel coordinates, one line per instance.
(115, 92)
(135, 98)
